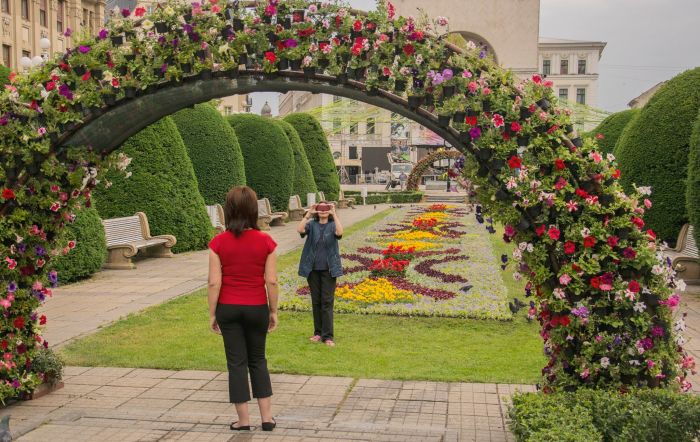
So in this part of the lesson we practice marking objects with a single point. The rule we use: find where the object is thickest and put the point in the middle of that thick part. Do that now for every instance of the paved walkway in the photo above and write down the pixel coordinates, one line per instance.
(124, 404)
(80, 309)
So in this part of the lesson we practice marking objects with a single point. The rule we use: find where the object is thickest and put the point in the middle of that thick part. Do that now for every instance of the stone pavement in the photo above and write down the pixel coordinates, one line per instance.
(124, 404)
(79, 309)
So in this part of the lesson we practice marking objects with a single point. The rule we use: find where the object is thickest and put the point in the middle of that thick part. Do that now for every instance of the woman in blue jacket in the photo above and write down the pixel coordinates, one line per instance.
(320, 265)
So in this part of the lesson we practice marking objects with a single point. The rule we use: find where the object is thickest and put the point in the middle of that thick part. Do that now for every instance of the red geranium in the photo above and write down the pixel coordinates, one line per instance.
(8, 194)
(616, 174)
(540, 230)
(638, 222)
(633, 287)
(651, 235)
(589, 241)
(515, 162)
(470, 121)
(552, 129)
(408, 49)
(18, 322)
(559, 164)
(357, 26)
(554, 233)
(569, 247)
(515, 126)
(42, 320)
(307, 32)
(270, 57)
(595, 282)
(613, 240)
(582, 193)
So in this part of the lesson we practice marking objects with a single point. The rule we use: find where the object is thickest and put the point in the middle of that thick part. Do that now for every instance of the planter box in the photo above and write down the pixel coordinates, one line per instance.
(42, 390)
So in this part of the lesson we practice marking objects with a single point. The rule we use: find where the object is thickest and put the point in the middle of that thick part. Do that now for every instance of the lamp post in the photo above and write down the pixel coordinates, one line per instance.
(38, 60)
(45, 45)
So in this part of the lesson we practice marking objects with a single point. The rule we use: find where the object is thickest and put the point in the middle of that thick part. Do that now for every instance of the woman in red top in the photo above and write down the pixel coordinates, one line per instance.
(243, 294)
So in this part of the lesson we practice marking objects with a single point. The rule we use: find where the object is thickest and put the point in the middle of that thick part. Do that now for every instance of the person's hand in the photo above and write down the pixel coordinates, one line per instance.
(332, 211)
(273, 322)
(213, 325)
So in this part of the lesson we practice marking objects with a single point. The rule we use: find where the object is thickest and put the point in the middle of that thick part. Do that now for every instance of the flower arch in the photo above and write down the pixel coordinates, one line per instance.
(423, 165)
(604, 295)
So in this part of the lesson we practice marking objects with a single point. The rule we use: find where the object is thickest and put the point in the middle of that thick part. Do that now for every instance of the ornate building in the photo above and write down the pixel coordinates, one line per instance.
(40, 28)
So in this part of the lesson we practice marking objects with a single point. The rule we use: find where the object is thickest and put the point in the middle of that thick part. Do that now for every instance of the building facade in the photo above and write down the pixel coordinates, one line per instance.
(235, 104)
(24, 23)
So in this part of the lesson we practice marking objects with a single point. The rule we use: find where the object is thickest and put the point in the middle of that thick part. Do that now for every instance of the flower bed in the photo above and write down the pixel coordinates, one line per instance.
(394, 268)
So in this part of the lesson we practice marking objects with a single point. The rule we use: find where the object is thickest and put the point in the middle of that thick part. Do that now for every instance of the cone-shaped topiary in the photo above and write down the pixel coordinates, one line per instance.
(268, 158)
(693, 186)
(609, 130)
(318, 152)
(653, 151)
(213, 149)
(90, 247)
(4, 75)
(303, 175)
(162, 185)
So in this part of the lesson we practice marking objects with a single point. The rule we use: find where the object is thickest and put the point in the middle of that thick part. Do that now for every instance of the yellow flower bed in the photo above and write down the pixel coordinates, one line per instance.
(374, 291)
(419, 246)
(440, 216)
(414, 235)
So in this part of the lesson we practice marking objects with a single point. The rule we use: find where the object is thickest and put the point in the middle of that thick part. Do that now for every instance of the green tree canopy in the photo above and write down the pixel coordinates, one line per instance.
(303, 175)
(611, 129)
(693, 187)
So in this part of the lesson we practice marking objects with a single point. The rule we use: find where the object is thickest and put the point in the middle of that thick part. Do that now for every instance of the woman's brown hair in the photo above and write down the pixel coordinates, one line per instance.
(241, 210)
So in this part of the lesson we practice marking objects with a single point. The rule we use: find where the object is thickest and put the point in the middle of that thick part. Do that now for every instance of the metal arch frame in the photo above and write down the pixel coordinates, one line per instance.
(109, 130)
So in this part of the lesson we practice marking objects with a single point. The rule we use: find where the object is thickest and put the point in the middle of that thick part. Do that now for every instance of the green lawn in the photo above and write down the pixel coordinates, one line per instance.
(175, 335)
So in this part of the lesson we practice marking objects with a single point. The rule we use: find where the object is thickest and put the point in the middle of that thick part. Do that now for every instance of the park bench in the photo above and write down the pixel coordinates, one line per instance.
(267, 218)
(343, 202)
(322, 197)
(684, 257)
(216, 216)
(296, 210)
(128, 235)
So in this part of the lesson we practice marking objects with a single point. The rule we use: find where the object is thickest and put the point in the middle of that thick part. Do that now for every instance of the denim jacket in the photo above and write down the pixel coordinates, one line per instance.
(330, 240)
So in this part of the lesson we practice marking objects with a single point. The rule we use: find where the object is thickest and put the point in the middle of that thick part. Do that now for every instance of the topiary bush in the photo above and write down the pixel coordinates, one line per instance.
(653, 151)
(213, 148)
(318, 152)
(90, 249)
(303, 175)
(268, 158)
(4, 75)
(692, 195)
(162, 185)
(609, 130)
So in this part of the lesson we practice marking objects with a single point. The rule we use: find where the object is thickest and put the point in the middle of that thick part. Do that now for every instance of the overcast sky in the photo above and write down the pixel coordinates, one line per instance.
(648, 41)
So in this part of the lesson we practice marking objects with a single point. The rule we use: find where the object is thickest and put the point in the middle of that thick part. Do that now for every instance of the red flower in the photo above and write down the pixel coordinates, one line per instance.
(629, 253)
(115, 82)
(409, 49)
(140, 11)
(50, 86)
(651, 235)
(8, 194)
(633, 287)
(515, 162)
(582, 193)
(638, 222)
(515, 127)
(589, 241)
(357, 26)
(306, 32)
(270, 57)
(42, 320)
(613, 240)
(595, 282)
(322, 45)
(599, 136)
(616, 174)
(18, 322)
(338, 21)
(554, 233)
(551, 130)
(540, 230)
(470, 121)
(4, 344)
(86, 76)
(559, 164)
(569, 247)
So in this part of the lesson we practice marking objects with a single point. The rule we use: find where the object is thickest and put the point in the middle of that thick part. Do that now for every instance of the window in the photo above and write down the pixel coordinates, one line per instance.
(60, 15)
(26, 54)
(371, 129)
(91, 22)
(564, 67)
(546, 67)
(85, 17)
(5, 6)
(563, 94)
(352, 152)
(43, 19)
(582, 67)
(24, 6)
(336, 125)
(7, 56)
(228, 110)
(353, 128)
(581, 96)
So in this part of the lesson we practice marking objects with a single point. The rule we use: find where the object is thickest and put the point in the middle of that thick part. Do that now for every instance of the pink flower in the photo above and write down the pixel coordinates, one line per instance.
(565, 279)
(486, 91)
(548, 83)
(595, 156)
(585, 373)
(11, 263)
(55, 207)
(572, 206)
(497, 120)
(41, 130)
(472, 86)
(537, 79)
(647, 203)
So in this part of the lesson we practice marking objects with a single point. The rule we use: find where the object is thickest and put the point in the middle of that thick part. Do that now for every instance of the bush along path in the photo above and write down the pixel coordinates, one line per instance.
(422, 261)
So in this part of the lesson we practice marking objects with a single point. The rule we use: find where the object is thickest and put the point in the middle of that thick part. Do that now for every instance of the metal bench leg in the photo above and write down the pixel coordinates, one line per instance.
(119, 259)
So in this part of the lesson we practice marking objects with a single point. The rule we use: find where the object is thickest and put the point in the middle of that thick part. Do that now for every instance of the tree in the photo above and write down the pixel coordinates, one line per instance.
(693, 186)
(213, 149)
(303, 175)
(162, 185)
(318, 152)
(4, 75)
(653, 151)
(90, 247)
(268, 158)
(611, 129)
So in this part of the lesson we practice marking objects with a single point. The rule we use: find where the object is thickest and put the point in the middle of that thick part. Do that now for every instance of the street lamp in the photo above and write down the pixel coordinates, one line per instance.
(26, 62)
(45, 45)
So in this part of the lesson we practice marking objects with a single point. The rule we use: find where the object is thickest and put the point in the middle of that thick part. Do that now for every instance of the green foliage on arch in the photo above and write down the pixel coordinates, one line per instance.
(609, 130)
(303, 176)
(162, 185)
(90, 250)
(318, 152)
(692, 195)
(213, 148)
(268, 158)
(422, 166)
(654, 151)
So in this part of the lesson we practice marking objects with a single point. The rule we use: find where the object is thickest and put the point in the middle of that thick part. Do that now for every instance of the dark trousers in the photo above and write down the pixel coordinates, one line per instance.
(322, 286)
(244, 328)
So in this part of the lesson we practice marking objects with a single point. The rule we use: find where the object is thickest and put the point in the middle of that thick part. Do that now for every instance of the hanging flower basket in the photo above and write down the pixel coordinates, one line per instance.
(117, 40)
(415, 101)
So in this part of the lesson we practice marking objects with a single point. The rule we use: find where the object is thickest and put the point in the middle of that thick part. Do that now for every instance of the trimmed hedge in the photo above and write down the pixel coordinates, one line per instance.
(598, 415)
(611, 129)
(268, 158)
(4, 74)
(386, 197)
(318, 152)
(653, 151)
(90, 250)
(162, 185)
(303, 176)
(692, 200)
(213, 149)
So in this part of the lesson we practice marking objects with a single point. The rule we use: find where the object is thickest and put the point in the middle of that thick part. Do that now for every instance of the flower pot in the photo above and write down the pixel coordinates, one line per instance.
(483, 171)
(272, 37)
(459, 117)
(188, 17)
(298, 15)
(186, 68)
(400, 85)
(238, 24)
(243, 59)
(109, 99)
(287, 23)
(249, 49)
(464, 137)
(486, 106)
(534, 211)
(96, 73)
(227, 32)
(123, 70)
(524, 113)
(295, 65)
(356, 73)
(130, 57)
(501, 195)
(523, 140)
(543, 103)
(201, 54)
(342, 78)
(205, 74)
(267, 19)
(283, 65)
(161, 27)
(158, 72)
(41, 390)
(448, 91)
(429, 100)
(129, 34)
(444, 120)
(484, 154)
(415, 101)
(578, 142)
(309, 71)
(130, 92)
(372, 91)
(472, 113)
(117, 40)
(79, 70)
(323, 64)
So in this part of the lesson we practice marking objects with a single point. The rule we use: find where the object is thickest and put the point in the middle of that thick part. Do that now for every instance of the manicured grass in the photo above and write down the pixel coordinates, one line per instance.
(175, 335)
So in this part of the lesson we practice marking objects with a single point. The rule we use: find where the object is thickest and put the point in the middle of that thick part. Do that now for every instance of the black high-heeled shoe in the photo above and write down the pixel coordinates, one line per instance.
(242, 428)
(269, 426)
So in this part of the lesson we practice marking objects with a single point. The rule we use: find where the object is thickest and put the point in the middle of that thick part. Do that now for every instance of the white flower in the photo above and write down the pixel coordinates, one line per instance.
(644, 190)
(128, 175)
(530, 247)
(680, 285)
(471, 45)
(517, 254)
(657, 270)
(679, 326)
(605, 362)
(610, 157)
(107, 76)
(517, 276)
(522, 246)
(511, 184)
(680, 340)
(442, 21)
(307, 61)
(639, 307)
(635, 361)
(223, 49)
(147, 24)
(419, 59)
(168, 10)
(585, 232)
(559, 293)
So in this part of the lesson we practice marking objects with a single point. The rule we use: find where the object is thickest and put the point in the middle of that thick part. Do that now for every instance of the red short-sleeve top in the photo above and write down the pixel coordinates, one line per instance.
(243, 266)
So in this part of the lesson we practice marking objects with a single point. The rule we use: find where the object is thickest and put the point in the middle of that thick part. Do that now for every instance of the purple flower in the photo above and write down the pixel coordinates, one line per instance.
(581, 312)
(647, 343)
(175, 42)
(84, 49)
(482, 54)
(68, 32)
(12, 287)
(161, 40)
(187, 28)
(39, 250)
(617, 340)
(126, 12)
(196, 4)
(3, 121)
(657, 331)
(103, 34)
(447, 74)
(15, 383)
(53, 277)
(65, 91)
(290, 43)
(475, 132)
(163, 68)
(22, 248)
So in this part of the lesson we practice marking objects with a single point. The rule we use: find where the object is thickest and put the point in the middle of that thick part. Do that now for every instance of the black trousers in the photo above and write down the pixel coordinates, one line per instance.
(244, 328)
(322, 286)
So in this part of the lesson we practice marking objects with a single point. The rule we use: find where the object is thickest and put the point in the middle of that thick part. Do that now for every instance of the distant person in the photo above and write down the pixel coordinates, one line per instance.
(320, 265)
(243, 295)
(402, 179)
